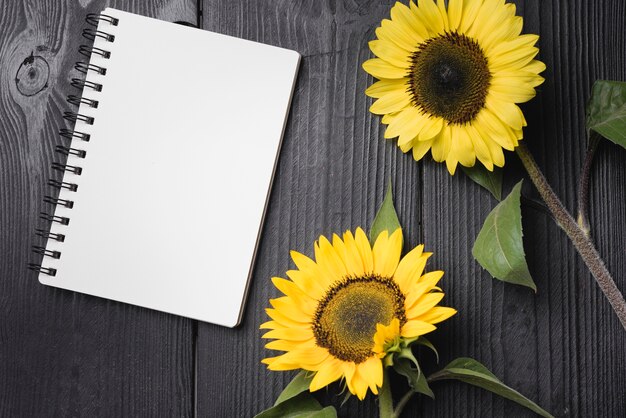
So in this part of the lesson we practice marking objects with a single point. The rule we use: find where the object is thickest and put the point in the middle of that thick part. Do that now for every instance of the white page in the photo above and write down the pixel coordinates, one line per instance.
(178, 167)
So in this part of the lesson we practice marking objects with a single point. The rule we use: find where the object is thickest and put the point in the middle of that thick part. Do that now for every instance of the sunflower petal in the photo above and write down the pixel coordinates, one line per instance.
(429, 14)
(492, 127)
(292, 334)
(455, 13)
(287, 321)
(470, 11)
(365, 250)
(328, 260)
(312, 283)
(410, 24)
(408, 123)
(535, 66)
(489, 21)
(287, 306)
(437, 314)
(424, 304)
(419, 288)
(441, 146)
(390, 53)
(515, 59)
(290, 289)
(432, 127)
(391, 102)
(371, 370)
(386, 252)
(410, 268)
(359, 383)
(420, 148)
(441, 5)
(513, 90)
(480, 147)
(462, 146)
(416, 328)
(392, 32)
(506, 111)
(328, 372)
(380, 68)
(383, 87)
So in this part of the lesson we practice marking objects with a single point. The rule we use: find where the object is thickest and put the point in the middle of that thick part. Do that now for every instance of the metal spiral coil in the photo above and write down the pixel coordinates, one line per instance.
(84, 68)
(92, 34)
(65, 167)
(94, 18)
(76, 100)
(81, 84)
(53, 218)
(48, 253)
(89, 51)
(39, 269)
(71, 134)
(70, 151)
(72, 187)
(49, 235)
(73, 117)
(56, 201)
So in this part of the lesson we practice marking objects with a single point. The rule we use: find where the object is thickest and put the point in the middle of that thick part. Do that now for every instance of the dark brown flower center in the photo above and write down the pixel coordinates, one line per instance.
(449, 77)
(345, 319)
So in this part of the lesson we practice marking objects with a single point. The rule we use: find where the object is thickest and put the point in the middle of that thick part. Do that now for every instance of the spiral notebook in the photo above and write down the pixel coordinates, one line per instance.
(168, 167)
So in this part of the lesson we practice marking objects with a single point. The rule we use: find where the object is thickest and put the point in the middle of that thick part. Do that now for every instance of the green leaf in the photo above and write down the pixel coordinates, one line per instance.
(403, 365)
(490, 180)
(499, 247)
(300, 406)
(606, 111)
(386, 219)
(298, 384)
(474, 373)
(423, 341)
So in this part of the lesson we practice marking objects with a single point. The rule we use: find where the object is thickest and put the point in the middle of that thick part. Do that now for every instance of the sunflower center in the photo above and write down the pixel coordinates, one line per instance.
(449, 77)
(346, 318)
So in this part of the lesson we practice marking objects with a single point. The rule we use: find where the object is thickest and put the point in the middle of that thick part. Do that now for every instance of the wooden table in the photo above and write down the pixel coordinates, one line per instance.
(66, 354)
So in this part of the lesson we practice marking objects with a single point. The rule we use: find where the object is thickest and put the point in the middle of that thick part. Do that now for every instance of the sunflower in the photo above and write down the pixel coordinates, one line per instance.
(450, 78)
(341, 311)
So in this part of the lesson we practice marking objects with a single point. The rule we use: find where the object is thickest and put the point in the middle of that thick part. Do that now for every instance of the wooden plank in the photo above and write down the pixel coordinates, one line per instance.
(61, 353)
(332, 174)
(563, 347)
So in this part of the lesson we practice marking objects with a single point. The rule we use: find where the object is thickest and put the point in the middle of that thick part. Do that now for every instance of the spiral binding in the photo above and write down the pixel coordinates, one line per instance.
(76, 100)
(49, 235)
(88, 51)
(93, 19)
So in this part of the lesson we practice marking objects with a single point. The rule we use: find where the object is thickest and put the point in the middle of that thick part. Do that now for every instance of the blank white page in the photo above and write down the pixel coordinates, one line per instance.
(177, 170)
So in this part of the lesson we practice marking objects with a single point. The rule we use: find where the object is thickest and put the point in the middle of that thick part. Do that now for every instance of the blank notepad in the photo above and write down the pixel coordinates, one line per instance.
(177, 169)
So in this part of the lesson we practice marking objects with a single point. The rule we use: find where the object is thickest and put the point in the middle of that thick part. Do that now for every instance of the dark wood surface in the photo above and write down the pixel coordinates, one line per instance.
(66, 354)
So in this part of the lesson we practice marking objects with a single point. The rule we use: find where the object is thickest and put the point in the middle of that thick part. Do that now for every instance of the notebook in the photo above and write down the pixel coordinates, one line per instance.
(169, 166)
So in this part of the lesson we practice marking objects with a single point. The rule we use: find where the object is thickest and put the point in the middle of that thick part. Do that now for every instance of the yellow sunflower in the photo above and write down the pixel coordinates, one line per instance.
(450, 78)
(340, 310)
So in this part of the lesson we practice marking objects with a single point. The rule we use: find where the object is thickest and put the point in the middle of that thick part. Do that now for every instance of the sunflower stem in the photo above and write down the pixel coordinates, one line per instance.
(405, 399)
(585, 175)
(385, 399)
(576, 234)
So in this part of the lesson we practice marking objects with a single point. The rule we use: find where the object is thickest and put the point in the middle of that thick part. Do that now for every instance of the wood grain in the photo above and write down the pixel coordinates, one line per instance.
(561, 347)
(66, 354)
(331, 177)
(61, 353)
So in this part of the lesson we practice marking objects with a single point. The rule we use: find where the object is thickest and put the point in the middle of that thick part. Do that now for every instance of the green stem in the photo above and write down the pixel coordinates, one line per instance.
(385, 399)
(581, 241)
(405, 399)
